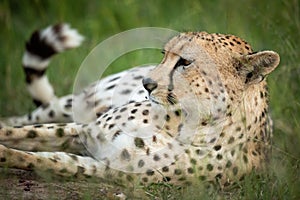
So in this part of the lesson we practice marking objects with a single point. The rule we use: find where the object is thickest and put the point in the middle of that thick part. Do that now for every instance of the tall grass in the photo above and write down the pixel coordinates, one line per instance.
(273, 25)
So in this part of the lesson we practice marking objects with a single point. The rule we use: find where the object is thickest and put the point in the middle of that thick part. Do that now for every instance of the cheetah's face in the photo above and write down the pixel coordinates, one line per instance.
(187, 76)
(201, 73)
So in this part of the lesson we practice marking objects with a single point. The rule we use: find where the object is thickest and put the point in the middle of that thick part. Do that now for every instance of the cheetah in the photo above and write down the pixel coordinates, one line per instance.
(201, 116)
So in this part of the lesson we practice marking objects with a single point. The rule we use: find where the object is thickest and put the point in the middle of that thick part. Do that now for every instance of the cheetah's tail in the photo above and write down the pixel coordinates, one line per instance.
(41, 46)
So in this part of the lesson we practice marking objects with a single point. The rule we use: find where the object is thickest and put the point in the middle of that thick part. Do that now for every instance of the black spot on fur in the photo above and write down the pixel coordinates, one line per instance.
(111, 126)
(123, 109)
(145, 112)
(177, 112)
(139, 142)
(167, 179)
(231, 140)
(141, 163)
(38, 126)
(228, 164)
(145, 179)
(131, 118)
(118, 117)
(74, 157)
(51, 114)
(116, 134)
(156, 157)
(68, 106)
(65, 115)
(29, 117)
(212, 140)
(193, 161)
(125, 155)
(53, 160)
(218, 176)
(167, 118)
(138, 77)
(219, 157)
(165, 169)
(150, 172)
(110, 87)
(204, 123)
(60, 132)
(235, 171)
(177, 171)
(245, 158)
(232, 152)
(190, 170)
(31, 134)
(209, 167)
(133, 111)
(125, 92)
(113, 79)
(199, 152)
(137, 104)
(217, 147)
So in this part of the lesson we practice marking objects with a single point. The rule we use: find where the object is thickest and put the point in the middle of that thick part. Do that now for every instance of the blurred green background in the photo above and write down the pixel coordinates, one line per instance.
(273, 25)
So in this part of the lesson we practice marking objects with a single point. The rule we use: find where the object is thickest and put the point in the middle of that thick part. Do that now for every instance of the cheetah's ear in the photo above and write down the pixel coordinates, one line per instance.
(258, 65)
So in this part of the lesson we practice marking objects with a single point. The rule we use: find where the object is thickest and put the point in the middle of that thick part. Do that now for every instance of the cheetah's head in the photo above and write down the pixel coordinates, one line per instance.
(210, 70)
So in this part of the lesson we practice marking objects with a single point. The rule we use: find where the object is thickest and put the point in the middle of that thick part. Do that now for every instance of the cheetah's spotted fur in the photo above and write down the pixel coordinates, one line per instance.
(203, 116)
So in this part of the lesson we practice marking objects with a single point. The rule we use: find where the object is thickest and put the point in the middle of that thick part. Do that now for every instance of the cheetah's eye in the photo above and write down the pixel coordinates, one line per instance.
(183, 62)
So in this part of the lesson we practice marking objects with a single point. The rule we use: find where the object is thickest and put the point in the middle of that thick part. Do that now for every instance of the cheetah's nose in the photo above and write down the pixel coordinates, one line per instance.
(149, 84)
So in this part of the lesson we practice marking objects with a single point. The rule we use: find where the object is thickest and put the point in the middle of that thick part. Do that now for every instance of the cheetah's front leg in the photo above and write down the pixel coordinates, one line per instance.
(59, 163)
(46, 137)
